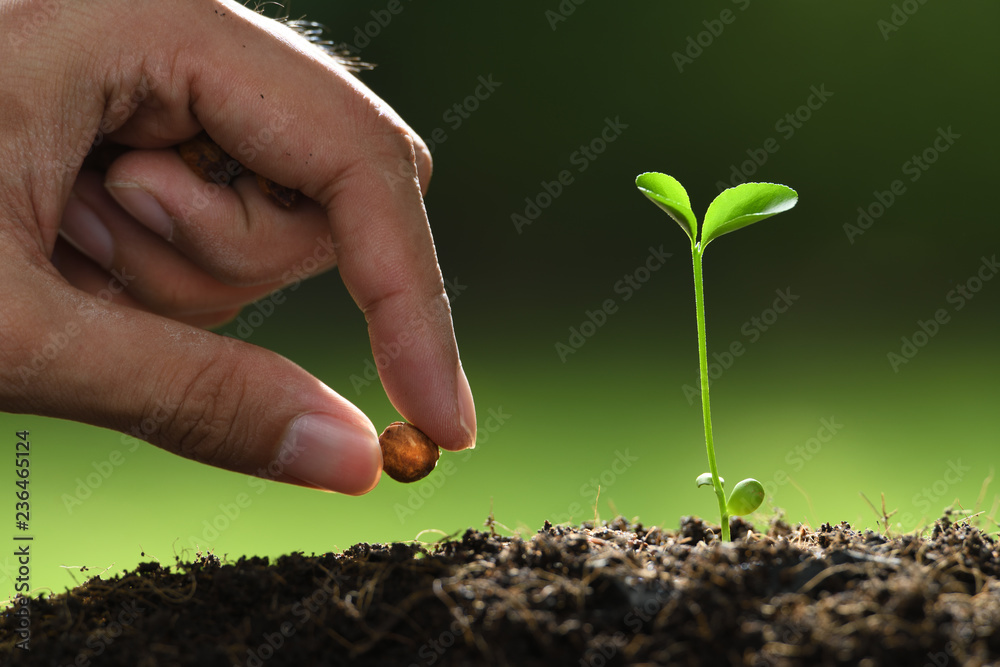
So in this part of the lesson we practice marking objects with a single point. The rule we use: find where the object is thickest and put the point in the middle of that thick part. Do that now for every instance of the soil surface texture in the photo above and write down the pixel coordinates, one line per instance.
(613, 594)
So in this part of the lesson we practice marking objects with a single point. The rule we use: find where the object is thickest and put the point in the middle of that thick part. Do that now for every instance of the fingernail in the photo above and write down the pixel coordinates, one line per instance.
(143, 207)
(85, 231)
(466, 407)
(331, 454)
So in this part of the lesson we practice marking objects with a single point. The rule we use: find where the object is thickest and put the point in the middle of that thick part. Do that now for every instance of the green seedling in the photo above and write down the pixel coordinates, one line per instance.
(733, 209)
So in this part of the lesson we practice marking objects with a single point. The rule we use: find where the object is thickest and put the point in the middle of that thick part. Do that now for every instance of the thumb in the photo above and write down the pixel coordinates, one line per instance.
(207, 397)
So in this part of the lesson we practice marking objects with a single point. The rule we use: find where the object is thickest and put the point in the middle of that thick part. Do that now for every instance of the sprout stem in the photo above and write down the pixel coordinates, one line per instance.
(699, 302)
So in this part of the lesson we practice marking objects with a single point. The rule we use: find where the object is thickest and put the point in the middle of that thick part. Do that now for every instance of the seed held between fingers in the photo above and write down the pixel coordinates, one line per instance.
(407, 454)
(207, 159)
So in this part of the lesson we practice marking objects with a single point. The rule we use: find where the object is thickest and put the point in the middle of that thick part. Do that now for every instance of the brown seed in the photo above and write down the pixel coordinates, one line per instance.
(279, 194)
(407, 454)
(207, 159)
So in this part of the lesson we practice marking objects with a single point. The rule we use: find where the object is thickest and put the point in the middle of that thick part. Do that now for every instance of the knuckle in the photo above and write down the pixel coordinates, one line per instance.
(390, 136)
(425, 163)
(434, 312)
(398, 145)
(208, 426)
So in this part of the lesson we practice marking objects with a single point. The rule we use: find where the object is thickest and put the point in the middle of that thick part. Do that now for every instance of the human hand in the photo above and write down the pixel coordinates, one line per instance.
(103, 329)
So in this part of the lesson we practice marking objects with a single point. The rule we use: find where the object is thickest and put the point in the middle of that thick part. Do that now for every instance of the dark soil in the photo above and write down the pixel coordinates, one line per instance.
(616, 594)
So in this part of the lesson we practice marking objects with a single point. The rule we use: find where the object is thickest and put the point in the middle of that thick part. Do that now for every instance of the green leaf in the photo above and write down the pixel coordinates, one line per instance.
(746, 497)
(667, 193)
(744, 205)
(705, 479)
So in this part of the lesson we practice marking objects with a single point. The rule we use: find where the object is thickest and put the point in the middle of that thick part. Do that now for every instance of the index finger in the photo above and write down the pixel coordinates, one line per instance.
(293, 114)
(388, 262)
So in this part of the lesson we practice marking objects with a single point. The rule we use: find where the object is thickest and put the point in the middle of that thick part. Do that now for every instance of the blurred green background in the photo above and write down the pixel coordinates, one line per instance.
(812, 407)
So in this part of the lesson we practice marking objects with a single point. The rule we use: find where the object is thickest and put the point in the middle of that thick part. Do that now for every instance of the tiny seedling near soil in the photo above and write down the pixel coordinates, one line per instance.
(731, 210)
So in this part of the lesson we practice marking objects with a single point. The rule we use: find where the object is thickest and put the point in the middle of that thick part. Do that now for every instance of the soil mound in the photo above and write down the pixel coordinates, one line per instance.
(613, 594)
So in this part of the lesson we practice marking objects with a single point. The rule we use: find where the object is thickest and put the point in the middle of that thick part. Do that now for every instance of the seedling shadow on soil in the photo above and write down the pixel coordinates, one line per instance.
(610, 594)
